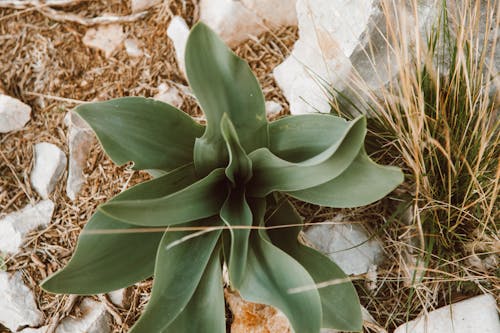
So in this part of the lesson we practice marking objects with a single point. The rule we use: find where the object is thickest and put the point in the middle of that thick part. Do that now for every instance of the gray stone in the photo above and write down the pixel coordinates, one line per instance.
(80, 141)
(95, 319)
(119, 297)
(342, 46)
(141, 5)
(14, 114)
(50, 163)
(329, 31)
(106, 38)
(236, 21)
(132, 48)
(178, 32)
(474, 315)
(15, 226)
(17, 303)
(273, 108)
(348, 245)
(169, 94)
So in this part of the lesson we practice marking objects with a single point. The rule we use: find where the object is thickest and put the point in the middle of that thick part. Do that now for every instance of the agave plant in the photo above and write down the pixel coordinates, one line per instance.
(230, 179)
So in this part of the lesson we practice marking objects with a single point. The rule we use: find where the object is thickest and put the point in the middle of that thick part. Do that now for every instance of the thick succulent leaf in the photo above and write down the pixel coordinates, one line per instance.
(301, 137)
(152, 134)
(180, 263)
(116, 257)
(362, 183)
(205, 312)
(340, 303)
(272, 173)
(223, 83)
(236, 213)
(199, 200)
(271, 274)
(239, 169)
(108, 261)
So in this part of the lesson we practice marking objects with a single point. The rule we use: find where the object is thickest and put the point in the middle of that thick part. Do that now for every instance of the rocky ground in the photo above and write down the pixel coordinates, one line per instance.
(53, 174)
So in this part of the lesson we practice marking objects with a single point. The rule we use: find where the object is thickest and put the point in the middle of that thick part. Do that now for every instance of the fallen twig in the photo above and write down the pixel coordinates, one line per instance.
(23, 4)
(61, 16)
(44, 7)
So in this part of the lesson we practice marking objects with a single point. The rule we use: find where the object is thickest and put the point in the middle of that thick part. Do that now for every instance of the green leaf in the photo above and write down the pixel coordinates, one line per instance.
(272, 173)
(205, 312)
(199, 200)
(223, 83)
(107, 261)
(152, 134)
(115, 257)
(239, 169)
(271, 274)
(180, 263)
(362, 183)
(340, 303)
(235, 213)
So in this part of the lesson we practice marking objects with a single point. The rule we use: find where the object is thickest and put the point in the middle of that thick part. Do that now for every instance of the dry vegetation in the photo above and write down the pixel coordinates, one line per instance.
(439, 120)
(440, 228)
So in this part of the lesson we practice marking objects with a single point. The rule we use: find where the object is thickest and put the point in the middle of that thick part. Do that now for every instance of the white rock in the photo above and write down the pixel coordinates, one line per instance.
(273, 108)
(50, 163)
(140, 5)
(80, 141)
(273, 13)
(106, 38)
(474, 315)
(236, 21)
(329, 31)
(132, 48)
(14, 114)
(15, 226)
(178, 32)
(347, 245)
(119, 297)
(169, 94)
(95, 319)
(17, 303)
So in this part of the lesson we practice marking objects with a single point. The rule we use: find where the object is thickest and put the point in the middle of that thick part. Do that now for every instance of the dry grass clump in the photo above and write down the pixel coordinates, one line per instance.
(439, 120)
(45, 64)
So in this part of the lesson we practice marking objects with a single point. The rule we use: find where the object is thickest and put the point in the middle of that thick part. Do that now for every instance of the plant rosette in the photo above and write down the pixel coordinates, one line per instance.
(222, 189)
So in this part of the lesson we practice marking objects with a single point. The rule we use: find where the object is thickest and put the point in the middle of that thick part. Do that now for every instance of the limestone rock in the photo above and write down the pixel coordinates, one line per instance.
(347, 245)
(120, 297)
(341, 43)
(329, 31)
(141, 5)
(132, 48)
(50, 163)
(15, 226)
(178, 32)
(255, 318)
(169, 94)
(95, 319)
(273, 108)
(17, 303)
(106, 38)
(14, 114)
(236, 21)
(477, 314)
(80, 141)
